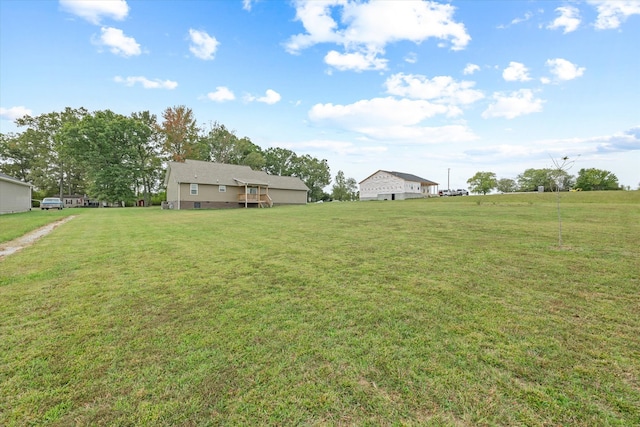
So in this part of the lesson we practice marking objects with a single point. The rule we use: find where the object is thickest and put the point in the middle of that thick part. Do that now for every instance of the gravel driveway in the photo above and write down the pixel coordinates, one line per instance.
(13, 246)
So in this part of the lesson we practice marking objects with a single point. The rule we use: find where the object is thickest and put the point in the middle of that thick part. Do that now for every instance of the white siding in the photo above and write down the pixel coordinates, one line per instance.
(380, 183)
(384, 186)
(14, 197)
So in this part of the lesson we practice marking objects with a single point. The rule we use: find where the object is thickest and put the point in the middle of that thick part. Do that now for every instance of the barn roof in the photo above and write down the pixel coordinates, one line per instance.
(404, 176)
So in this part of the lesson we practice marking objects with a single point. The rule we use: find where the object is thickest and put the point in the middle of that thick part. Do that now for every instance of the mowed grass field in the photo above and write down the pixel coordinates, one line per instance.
(455, 311)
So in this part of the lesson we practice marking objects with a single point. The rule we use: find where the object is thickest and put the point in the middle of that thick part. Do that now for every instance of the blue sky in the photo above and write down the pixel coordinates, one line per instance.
(437, 89)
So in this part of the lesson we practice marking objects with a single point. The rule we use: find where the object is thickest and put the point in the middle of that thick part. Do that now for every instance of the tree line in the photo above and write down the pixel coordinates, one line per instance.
(112, 157)
(552, 179)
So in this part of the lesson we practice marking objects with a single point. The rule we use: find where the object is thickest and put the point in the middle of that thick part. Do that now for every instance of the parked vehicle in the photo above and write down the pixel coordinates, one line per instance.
(446, 193)
(51, 203)
(462, 192)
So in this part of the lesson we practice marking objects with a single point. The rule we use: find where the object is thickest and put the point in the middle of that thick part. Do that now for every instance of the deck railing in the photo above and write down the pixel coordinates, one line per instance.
(254, 198)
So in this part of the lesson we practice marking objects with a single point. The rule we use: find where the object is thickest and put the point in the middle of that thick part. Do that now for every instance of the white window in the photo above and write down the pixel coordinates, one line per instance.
(194, 189)
(222, 188)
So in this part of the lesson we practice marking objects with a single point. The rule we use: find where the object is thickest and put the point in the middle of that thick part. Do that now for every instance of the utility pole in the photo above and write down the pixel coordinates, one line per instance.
(448, 174)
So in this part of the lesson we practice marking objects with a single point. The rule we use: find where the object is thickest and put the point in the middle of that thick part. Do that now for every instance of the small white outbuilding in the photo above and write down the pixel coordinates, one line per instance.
(15, 195)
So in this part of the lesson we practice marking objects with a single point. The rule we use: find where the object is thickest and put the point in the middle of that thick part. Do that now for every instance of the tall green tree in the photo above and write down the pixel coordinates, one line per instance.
(506, 185)
(482, 182)
(106, 144)
(314, 173)
(16, 157)
(279, 161)
(147, 147)
(596, 179)
(221, 145)
(531, 179)
(249, 154)
(180, 134)
(218, 144)
(549, 178)
(52, 172)
(344, 189)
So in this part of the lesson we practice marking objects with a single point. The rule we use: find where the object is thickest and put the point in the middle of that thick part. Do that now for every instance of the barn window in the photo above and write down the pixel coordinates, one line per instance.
(222, 188)
(194, 189)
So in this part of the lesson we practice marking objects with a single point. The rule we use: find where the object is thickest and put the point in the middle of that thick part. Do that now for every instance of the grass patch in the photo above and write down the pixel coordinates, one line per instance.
(15, 225)
(439, 311)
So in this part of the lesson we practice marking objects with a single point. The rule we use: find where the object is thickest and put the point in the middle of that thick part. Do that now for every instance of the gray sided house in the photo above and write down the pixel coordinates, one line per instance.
(15, 195)
(73, 200)
(385, 185)
(194, 184)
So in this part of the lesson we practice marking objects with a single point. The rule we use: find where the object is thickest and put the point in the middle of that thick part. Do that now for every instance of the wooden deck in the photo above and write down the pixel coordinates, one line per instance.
(262, 200)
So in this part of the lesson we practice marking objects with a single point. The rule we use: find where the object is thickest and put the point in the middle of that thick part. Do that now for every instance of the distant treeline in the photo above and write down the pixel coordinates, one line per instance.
(551, 179)
(112, 157)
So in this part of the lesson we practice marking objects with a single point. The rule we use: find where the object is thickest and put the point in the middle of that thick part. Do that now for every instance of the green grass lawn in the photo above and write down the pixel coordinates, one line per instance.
(454, 311)
(16, 225)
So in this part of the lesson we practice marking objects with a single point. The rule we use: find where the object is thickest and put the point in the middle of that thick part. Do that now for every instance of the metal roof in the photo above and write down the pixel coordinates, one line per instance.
(404, 176)
(410, 177)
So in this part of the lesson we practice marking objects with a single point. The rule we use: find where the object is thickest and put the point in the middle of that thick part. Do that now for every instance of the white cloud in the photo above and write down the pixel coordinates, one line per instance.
(628, 140)
(516, 21)
(411, 58)
(221, 94)
(391, 119)
(513, 105)
(563, 69)
(516, 72)
(13, 113)
(377, 111)
(146, 83)
(611, 14)
(246, 5)
(203, 45)
(440, 89)
(270, 97)
(621, 142)
(525, 18)
(569, 19)
(470, 69)
(118, 43)
(366, 28)
(341, 148)
(356, 61)
(93, 11)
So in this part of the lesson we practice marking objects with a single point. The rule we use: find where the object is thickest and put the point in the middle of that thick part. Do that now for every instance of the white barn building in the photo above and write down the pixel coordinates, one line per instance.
(385, 185)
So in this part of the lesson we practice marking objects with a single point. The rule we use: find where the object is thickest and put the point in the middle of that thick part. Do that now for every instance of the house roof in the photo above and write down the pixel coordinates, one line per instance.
(404, 176)
(8, 178)
(200, 172)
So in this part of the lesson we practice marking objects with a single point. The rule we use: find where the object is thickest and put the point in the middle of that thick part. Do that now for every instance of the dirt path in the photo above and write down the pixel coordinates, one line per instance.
(13, 246)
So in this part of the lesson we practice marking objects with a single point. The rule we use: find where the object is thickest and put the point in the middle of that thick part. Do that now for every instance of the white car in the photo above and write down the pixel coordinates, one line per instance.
(51, 203)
